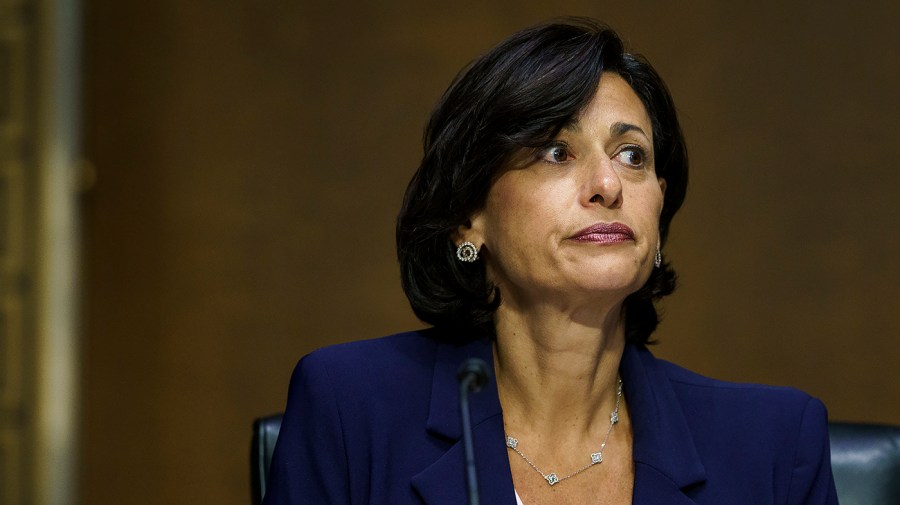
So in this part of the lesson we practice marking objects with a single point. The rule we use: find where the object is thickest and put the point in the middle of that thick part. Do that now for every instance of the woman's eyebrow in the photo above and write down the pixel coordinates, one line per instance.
(618, 129)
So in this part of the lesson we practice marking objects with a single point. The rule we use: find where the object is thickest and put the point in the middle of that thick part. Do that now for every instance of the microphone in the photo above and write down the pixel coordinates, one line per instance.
(472, 376)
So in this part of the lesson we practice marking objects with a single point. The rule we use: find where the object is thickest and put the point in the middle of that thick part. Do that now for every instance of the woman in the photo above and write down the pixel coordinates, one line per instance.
(531, 236)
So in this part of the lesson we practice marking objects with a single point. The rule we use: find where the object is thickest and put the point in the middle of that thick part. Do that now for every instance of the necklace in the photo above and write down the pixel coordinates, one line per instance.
(596, 457)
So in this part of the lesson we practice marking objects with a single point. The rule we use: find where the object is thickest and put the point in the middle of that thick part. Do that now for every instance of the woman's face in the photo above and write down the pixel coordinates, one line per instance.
(581, 220)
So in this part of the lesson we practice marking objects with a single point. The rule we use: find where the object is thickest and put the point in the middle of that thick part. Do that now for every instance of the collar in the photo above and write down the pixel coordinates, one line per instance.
(666, 461)
(443, 483)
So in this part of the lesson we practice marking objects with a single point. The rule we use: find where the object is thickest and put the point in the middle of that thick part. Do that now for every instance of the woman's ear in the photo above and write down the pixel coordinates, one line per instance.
(470, 231)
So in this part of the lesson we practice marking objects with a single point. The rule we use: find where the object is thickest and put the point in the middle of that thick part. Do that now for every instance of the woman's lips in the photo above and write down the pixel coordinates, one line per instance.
(605, 233)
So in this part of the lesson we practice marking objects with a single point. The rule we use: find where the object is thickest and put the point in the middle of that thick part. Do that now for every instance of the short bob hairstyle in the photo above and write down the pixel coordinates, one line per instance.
(519, 96)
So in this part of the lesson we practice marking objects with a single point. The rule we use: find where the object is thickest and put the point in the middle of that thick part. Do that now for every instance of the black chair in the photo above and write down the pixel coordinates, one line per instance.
(865, 459)
(265, 433)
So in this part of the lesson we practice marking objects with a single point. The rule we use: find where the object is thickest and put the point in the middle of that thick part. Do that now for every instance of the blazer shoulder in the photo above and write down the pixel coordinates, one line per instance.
(342, 401)
(368, 371)
(407, 345)
(780, 433)
(784, 416)
(685, 381)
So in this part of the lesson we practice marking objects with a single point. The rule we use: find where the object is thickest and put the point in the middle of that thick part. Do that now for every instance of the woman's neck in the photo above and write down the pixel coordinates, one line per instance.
(557, 370)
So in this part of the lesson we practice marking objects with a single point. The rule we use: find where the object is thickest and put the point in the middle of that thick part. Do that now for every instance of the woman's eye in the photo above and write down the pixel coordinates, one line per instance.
(556, 154)
(632, 156)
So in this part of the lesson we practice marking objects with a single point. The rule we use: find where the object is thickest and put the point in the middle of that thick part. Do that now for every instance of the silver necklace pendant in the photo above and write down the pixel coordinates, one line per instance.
(596, 458)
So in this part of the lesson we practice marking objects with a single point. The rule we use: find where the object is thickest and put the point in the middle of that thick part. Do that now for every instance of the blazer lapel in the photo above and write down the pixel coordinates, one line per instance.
(667, 464)
(443, 483)
(652, 487)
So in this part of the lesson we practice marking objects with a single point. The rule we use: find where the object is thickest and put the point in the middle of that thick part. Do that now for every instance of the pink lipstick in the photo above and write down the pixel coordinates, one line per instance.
(605, 233)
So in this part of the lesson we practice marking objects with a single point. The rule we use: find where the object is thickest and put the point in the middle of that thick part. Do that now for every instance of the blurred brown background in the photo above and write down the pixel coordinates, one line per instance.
(251, 156)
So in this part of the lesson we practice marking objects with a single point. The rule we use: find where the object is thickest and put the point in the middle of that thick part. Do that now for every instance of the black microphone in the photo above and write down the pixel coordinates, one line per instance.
(472, 376)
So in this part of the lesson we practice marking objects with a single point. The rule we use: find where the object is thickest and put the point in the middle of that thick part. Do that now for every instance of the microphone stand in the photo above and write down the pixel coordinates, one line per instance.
(472, 376)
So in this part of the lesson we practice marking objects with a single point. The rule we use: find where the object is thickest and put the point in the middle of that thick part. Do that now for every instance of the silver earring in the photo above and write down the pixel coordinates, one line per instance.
(467, 252)
(657, 261)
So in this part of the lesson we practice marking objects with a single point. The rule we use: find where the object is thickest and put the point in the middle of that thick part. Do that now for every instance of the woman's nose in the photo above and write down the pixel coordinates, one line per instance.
(605, 184)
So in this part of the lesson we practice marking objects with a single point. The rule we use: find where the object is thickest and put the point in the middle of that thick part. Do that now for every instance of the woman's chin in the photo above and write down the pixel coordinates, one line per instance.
(613, 275)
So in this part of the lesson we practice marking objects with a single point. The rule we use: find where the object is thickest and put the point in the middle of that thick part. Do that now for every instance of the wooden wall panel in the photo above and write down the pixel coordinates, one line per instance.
(251, 158)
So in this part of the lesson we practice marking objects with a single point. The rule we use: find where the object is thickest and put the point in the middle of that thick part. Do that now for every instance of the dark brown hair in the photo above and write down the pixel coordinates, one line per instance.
(520, 95)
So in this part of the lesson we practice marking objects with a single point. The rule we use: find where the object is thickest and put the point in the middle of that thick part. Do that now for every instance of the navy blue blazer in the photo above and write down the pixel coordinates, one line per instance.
(377, 422)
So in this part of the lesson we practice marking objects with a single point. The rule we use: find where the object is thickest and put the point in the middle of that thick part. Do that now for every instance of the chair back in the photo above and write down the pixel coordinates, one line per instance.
(265, 433)
(865, 460)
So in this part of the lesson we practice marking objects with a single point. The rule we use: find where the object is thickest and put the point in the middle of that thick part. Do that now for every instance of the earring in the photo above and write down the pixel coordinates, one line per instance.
(657, 261)
(467, 252)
